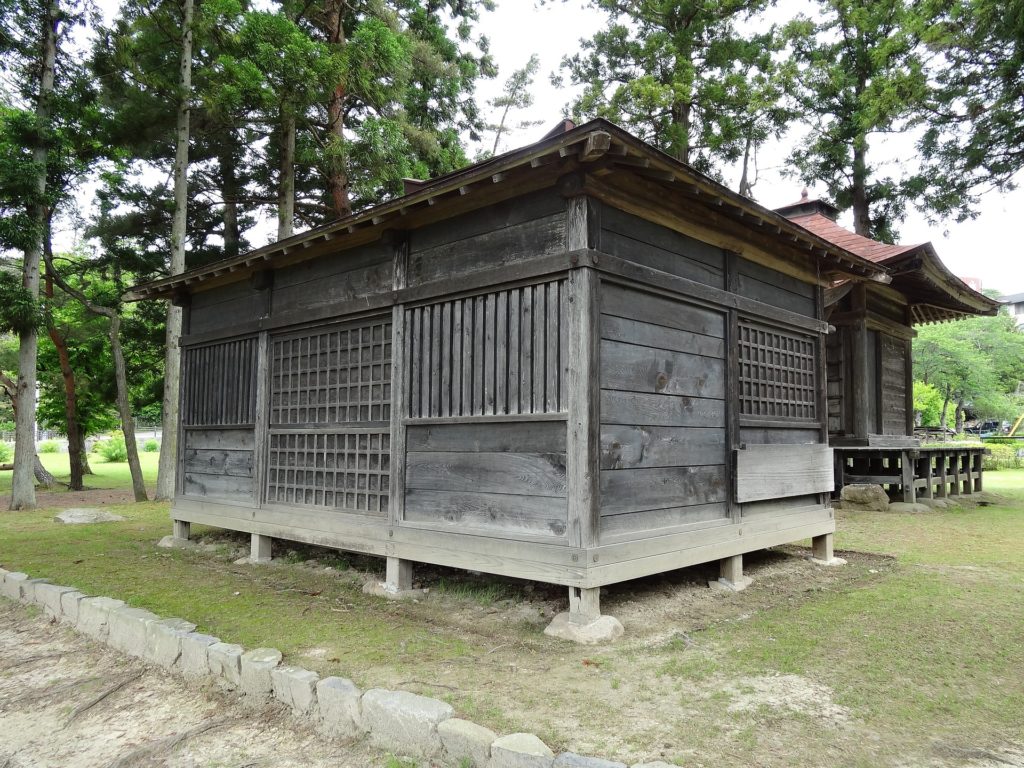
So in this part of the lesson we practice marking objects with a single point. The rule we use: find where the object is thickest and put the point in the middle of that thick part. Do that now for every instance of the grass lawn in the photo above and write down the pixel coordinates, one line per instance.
(107, 476)
(911, 654)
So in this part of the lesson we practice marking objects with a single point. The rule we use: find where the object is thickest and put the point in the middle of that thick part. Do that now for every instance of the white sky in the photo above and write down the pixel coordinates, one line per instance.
(988, 248)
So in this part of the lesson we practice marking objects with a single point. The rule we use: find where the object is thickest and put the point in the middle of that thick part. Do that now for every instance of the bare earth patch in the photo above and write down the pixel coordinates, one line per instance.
(786, 692)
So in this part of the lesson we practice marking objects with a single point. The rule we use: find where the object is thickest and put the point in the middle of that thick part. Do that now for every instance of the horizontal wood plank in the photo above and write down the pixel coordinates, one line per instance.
(635, 408)
(773, 472)
(660, 336)
(223, 439)
(629, 303)
(511, 437)
(635, 490)
(501, 513)
(528, 474)
(631, 447)
(218, 486)
(654, 519)
(216, 461)
(645, 369)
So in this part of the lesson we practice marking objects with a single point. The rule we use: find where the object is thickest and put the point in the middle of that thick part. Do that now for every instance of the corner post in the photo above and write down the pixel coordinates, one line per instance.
(861, 386)
(182, 529)
(399, 392)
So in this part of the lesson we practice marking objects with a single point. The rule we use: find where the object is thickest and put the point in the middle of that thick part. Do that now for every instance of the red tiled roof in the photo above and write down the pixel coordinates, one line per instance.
(865, 247)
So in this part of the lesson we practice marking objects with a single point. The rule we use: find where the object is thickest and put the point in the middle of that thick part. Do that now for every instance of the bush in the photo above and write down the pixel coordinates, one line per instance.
(151, 446)
(1002, 457)
(6, 453)
(49, 446)
(113, 450)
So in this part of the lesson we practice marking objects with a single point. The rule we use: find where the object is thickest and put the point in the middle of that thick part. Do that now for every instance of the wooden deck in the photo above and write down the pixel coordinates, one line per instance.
(912, 472)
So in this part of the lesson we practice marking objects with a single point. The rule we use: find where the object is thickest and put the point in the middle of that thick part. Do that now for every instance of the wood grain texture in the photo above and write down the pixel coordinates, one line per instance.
(506, 437)
(634, 408)
(776, 436)
(527, 474)
(499, 513)
(636, 490)
(661, 337)
(631, 447)
(222, 439)
(616, 221)
(653, 522)
(218, 486)
(223, 308)
(633, 304)
(773, 472)
(645, 369)
(215, 461)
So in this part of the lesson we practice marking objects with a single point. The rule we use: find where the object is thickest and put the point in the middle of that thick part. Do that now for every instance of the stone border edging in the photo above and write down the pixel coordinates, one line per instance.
(404, 723)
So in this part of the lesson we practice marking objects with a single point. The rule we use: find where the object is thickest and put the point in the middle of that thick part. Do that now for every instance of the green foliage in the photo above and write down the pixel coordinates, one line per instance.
(861, 77)
(114, 449)
(927, 404)
(151, 446)
(6, 453)
(49, 446)
(19, 311)
(684, 77)
(1002, 457)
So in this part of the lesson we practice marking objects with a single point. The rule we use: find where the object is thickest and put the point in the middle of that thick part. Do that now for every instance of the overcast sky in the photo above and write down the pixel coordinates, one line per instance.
(988, 248)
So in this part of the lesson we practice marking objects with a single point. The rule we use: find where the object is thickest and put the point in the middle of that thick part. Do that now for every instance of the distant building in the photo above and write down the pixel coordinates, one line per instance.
(973, 282)
(1015, 304)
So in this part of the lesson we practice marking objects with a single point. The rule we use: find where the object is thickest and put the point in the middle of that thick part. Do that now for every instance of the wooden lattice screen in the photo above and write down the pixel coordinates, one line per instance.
(777, 376)
(330, 410)
(498, 353)
(219, 384)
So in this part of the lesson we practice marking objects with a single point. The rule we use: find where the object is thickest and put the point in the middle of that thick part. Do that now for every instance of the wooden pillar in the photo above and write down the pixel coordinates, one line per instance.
(399, 387)
(929, 475)
(261, 433)
(957, 474)
(260, 550)
(584, 604)
(821, 547)
(907, 478)
(861, 386)
(977, 460)
(398, 575)
(182, 529)
(583, 437)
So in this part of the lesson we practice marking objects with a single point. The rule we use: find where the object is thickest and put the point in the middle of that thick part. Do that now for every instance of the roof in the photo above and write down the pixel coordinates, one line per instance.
(1014, 298)
(934, 293)
(598, 148)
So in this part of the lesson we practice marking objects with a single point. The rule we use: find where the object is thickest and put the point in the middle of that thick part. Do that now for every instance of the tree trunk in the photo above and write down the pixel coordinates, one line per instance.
(681, 117)
(70, 393)
(959, 417)
(746, 187)
(946, 397)
(337, 181)
(86, 469)
(172, 359)
(228, 162)
(859, 193)
(42, 475)
(124, 408)
(286, 177)
(23, 491)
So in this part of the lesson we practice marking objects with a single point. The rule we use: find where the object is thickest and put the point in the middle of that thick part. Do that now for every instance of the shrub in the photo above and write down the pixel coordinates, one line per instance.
(6, 453)
(151, 445)
(1002, 457)
(49, 446)
(114, 449)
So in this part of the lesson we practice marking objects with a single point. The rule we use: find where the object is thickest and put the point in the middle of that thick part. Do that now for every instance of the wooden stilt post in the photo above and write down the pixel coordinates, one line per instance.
(182, 529)
(730, 569)
(584, 604)
(821, 548)
(907, 478)
(399, 575)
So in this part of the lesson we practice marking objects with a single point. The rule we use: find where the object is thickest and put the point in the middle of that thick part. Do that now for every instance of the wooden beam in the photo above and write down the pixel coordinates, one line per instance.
(595, 147)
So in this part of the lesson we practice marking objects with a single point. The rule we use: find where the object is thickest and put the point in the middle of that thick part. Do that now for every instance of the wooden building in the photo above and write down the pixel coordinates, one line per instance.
(870, 365)
(580, 362)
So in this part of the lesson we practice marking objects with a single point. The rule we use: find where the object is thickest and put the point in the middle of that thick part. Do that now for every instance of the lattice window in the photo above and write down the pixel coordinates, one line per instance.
(337, 376)
(219, 384)
(777, 377)
(336, 469)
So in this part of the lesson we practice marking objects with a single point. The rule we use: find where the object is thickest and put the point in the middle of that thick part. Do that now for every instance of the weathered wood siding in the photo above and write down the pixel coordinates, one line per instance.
(524, 228)
(218, 464)
(630, 237)
(893, 369)
(502, 352)
(501, 478)
(221, 308)
(491, 356)
(663, 436)
(318, 283)
(766, 285)
(837, 346)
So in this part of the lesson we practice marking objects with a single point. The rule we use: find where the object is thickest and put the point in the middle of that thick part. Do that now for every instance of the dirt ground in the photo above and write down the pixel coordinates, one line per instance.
(67, 702)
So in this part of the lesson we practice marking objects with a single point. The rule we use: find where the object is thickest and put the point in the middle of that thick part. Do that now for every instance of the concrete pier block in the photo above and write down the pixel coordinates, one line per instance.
(296, 688)
(340, 706)
(257, 665)
(405, 723)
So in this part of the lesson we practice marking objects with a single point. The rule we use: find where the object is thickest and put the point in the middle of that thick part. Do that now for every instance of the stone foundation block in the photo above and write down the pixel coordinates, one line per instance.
(257, 665)
(163, 641)
(655, 764)
(603, 629)
(69, 602)
(225, 660)
(128, 629)
(194, 648)
(465, 744)
(340, 708)
(296, 688)
(864, 496)
(403, 722)
(27, 589)
(572, 760)
(94, 615)
(520, 750)
(49, 596)
(12, 584)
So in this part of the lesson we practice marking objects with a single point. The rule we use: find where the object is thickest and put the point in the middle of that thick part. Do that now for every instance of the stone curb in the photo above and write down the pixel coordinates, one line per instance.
(398, 721)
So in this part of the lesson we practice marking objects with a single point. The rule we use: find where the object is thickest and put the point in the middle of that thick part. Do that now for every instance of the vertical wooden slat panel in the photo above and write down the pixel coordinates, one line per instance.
(514, 405)
(489, 359)
(551, 356)
(526, 351)
(445, 363)
(501, 353)
(539, 348)
(479, 333)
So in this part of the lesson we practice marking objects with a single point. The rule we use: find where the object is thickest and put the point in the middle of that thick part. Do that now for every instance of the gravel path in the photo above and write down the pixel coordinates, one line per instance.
(68, 702)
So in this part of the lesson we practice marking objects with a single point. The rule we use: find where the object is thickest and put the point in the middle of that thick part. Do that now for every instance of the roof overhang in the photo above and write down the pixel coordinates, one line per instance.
(596, 150)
